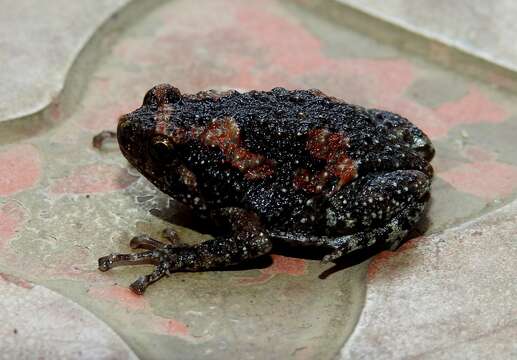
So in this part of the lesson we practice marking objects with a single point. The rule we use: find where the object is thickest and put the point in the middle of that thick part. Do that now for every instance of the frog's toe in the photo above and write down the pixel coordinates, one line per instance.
(171, 235)
(105, 263)
(145, 242)
(139, 285)
(114, 260)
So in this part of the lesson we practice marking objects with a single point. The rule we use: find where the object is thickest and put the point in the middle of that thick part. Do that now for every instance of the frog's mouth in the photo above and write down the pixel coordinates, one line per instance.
(132, 141)
(123, 135)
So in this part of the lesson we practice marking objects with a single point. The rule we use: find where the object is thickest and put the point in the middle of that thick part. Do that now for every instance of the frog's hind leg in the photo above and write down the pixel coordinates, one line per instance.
(379, 209)
(245, 240)
(392, 234)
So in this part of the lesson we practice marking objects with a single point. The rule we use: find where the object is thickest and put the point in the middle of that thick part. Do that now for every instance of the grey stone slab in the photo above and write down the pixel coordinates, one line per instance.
(448, 296)
(39, 41)
(37, 323)
(67, 204)
(485, 29)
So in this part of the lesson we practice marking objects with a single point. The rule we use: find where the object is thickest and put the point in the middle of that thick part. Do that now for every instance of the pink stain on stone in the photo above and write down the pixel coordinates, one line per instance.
(12, 216)
(477, 153)
(172, 327)
(475, 107)
(96, 178)
(123, 296)
(297, 54)
(380, 261)
(20, 168)
(11, 279)
(106, 117)
(280, 265)
(488, 180)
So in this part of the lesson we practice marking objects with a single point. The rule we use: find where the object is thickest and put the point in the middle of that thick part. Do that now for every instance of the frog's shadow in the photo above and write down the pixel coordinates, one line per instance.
(174, 212)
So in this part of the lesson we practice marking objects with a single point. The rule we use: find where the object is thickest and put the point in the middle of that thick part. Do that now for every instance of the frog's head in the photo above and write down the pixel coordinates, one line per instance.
(405, 132)
(141, 133)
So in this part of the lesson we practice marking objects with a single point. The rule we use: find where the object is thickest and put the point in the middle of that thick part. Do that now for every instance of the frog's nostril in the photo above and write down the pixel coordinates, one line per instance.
(122, 120)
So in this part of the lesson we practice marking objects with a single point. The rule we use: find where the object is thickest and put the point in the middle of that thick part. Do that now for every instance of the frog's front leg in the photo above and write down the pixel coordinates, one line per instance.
(245, 240)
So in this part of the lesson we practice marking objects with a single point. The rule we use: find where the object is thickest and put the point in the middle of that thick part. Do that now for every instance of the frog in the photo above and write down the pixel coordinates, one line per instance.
(297, 167)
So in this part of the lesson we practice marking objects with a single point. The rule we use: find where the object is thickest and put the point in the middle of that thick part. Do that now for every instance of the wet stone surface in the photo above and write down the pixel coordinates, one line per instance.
(61, 329)
(63, 203)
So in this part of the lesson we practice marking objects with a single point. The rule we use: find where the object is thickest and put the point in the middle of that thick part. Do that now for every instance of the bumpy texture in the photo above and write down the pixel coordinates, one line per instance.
(293, 166)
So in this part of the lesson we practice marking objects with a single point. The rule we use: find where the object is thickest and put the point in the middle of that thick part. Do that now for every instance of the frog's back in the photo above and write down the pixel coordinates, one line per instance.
(275, 123)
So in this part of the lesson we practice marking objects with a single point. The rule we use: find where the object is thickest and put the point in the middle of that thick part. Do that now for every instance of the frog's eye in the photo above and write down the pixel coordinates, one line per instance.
(162, 94)
(161, 149)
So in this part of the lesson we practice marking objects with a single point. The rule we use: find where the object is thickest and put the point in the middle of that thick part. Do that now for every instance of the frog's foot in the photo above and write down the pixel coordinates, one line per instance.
(245, 240)
(392, 234)
(159, 254)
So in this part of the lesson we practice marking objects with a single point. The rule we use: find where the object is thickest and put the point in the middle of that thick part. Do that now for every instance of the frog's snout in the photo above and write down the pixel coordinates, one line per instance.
(122, 120)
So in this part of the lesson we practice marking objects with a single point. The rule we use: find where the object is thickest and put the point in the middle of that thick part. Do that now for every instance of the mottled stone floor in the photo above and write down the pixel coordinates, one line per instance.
(446, 293)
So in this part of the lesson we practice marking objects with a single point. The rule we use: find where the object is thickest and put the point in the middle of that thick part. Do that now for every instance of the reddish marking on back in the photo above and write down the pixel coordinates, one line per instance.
(322, 144)
(330, 147)
(222, 133)
(225, 135)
